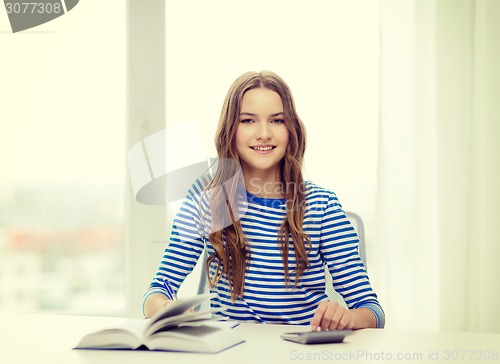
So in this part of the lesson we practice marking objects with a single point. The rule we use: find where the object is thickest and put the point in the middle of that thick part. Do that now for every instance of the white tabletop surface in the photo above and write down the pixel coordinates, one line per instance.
(50, 339)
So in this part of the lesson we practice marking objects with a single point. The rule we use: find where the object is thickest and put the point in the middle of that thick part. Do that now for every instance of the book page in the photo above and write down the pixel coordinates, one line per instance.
(202, 339)
(127, 334)
(171, 321)
(180, 306)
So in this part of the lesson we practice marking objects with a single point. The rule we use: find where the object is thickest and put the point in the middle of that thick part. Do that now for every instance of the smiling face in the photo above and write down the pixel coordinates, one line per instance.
(261, 135)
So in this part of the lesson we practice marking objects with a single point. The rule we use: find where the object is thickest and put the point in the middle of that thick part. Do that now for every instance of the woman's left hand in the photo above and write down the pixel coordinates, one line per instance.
(333, 316)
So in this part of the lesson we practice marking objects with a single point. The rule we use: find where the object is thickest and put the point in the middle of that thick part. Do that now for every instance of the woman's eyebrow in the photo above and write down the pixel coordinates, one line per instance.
(247, 113)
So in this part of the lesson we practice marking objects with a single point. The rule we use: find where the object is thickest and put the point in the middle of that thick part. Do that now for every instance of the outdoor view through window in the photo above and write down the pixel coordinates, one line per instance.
(62, 164)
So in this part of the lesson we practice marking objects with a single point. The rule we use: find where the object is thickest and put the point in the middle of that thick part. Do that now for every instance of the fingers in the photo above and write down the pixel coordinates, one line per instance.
(318, 315)
(332, 316)
(345, 321)
(337, 317)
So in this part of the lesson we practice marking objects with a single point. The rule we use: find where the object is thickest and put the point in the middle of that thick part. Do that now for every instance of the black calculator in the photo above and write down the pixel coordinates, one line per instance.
(316, 337)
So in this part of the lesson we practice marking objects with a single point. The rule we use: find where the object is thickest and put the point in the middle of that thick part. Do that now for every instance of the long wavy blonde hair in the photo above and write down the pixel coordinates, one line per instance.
(231, 251)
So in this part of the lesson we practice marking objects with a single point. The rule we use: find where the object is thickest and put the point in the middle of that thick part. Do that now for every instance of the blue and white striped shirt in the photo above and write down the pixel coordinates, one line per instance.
(266, 297)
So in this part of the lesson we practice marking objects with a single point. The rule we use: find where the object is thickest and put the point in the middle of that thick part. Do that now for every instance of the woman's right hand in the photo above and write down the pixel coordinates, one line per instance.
(155, 303)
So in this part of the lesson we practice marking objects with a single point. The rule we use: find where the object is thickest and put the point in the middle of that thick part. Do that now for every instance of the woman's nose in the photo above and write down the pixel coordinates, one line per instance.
(264, 131)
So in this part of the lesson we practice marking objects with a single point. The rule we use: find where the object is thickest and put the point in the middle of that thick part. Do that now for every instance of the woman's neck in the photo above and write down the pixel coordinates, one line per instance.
(264, 184)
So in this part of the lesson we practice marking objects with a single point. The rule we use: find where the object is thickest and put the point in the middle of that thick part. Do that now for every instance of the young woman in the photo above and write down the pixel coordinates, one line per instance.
(267, 246)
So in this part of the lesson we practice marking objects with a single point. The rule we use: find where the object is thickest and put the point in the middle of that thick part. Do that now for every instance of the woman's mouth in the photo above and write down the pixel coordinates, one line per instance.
(263, 149)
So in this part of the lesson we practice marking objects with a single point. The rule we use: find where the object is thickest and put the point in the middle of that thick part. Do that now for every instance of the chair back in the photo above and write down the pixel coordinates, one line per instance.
(358, 225)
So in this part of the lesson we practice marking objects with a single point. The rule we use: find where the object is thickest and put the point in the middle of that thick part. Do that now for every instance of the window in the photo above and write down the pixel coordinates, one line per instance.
(62, 158)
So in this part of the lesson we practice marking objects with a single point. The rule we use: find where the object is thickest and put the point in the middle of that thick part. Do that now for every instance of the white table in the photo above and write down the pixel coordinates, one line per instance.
(50, 338)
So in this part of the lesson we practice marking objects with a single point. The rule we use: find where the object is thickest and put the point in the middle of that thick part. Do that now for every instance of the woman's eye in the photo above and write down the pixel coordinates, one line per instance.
(246, 121)
(278, 121)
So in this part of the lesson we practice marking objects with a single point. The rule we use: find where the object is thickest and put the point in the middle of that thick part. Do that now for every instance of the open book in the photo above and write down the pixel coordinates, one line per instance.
(175, 328)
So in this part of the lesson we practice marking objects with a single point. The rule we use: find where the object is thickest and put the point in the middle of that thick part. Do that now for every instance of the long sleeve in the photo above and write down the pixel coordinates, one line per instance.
(183, 250)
